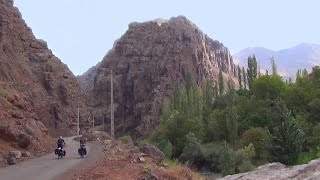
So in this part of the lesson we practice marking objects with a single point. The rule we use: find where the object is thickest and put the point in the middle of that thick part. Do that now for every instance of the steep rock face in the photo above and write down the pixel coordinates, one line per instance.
(20, 127)
(38, 92)
(87, 79)
(146, 62)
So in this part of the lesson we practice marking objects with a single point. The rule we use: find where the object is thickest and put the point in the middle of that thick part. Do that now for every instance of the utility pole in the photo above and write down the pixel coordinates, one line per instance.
(78, 129)
(112, 115)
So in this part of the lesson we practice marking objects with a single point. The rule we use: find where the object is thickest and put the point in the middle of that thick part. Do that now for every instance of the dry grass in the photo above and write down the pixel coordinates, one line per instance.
(179, 173)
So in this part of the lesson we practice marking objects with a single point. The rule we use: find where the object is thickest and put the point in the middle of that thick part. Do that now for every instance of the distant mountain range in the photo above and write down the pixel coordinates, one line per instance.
(288, 60)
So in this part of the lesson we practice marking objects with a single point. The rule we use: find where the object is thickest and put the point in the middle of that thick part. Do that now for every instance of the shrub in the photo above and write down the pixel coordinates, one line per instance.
(243, 159)
(258, 137)
(287, 142)
(167, 150)
(192, 150)
(226, 162)
(125, 138)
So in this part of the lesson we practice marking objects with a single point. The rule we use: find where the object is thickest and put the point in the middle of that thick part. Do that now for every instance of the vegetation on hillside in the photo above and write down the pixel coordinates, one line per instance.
(232, 131)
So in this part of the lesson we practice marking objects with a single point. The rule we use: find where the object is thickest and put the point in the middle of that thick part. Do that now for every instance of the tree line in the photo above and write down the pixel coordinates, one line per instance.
(234, 129)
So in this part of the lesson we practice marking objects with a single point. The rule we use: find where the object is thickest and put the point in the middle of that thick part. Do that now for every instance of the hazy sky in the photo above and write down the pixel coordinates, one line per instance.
(80, 32)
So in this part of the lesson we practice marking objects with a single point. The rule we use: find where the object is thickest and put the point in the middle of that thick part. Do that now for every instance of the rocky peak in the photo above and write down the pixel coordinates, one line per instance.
(147, 61)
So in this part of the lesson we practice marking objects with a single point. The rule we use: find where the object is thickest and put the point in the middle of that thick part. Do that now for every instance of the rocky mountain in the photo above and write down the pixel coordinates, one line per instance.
(39, 95)
(288, 60)
(147, 61)
(86, 80)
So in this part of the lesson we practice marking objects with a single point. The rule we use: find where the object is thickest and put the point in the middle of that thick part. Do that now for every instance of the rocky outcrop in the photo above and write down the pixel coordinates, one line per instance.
(278, 171)
(152, 151)
(147, 61)
(39, 95)
(87, 79)
(28, 66)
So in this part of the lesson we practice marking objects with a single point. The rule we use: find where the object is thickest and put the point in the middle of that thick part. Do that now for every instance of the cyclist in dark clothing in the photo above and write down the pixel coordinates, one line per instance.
(61, 142)
(82, 141)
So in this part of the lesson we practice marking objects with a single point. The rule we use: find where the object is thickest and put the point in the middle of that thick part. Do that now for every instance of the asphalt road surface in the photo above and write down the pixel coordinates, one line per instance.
(47, 167)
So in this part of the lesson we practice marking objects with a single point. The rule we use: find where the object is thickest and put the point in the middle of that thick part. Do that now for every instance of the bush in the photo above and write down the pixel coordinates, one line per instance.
(125, 138)
(287, 142)
(226, 162)
(306, 157)
(245, 166)
(167, 150)
(171, 162)
(3, 94)
(192, 150)
(243, 159)
(258, 137)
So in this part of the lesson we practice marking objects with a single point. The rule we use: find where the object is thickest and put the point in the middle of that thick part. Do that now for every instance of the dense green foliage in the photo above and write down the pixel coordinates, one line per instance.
(252, 70)
(236, 130)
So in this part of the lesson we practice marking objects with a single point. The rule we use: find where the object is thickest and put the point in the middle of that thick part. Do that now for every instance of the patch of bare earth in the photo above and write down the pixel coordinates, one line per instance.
(125, 161)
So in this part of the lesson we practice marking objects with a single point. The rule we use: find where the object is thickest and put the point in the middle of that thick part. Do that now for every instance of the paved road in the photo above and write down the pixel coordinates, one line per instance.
(46, 167)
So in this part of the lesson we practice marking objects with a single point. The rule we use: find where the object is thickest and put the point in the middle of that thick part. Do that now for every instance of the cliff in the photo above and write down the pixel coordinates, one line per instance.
(147, 61)
(39, 95)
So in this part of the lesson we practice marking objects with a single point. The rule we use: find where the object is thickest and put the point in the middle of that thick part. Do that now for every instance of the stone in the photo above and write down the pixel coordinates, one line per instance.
(27, 154)
(11, 160)
(153, 151)
(24, 140)
(149, 176)
(141, 159)
(7, 133)
(17, 114)
(16, 154)
(280, 172)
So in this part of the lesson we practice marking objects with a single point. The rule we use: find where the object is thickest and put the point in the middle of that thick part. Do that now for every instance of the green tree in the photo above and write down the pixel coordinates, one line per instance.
(268, 87)
(260, 139)
(232, 124)
(252, 70)
(244, 74)
(314, 111)
(274, 67)
(239, 77)
(315, 76)
(287, 141)
(192, 149)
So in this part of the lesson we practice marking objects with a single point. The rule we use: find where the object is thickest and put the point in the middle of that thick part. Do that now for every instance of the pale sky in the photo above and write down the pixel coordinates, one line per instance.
(80, 32)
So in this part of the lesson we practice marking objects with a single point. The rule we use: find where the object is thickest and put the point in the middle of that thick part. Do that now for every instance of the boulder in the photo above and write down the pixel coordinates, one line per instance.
(42, 127)
(149, 176)
(26, 154)
(11, 160)
(141, 159)
(152, 151)
(7, 133)
(280, 172)
(24, 140)
(17, 114)
(16, 154)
